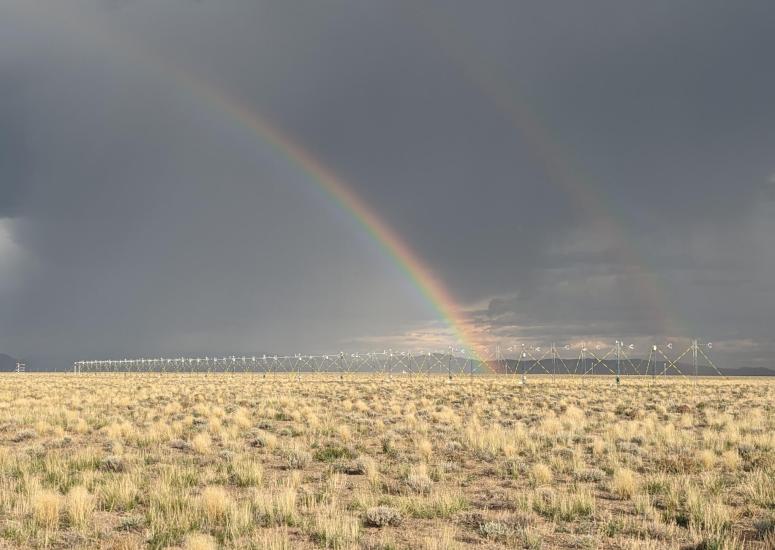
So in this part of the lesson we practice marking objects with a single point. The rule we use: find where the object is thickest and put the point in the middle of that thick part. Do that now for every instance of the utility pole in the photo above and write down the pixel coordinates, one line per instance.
(618, 362)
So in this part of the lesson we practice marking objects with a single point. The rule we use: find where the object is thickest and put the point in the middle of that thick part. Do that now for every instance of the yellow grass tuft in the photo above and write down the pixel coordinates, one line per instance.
(199, 541)
(79, 504)
(425, 449)
(334, 529)
(541, 474)
(624, 483)
(202, 443)
(215, 503)
(46, 508)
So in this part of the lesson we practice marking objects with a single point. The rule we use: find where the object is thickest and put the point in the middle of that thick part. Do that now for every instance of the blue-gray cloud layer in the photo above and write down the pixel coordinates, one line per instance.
(583, 170)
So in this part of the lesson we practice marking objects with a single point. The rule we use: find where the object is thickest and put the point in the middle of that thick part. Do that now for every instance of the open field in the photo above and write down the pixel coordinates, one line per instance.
(131, 461)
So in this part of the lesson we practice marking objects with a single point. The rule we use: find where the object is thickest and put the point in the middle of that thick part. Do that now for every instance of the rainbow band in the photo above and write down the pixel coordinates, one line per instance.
(333, 187)
(556, 161)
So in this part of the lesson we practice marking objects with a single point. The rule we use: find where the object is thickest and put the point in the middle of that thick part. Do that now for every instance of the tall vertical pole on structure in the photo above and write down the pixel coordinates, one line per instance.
(694, 359)
(449, 364)
(618, 362)
(522, 355)
(554, 361)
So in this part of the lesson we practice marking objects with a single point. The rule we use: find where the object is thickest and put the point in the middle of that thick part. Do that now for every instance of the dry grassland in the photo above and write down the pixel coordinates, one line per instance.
(242, 461)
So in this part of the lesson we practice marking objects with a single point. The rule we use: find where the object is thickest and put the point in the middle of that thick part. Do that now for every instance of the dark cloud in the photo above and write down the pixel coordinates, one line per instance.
(570, 171)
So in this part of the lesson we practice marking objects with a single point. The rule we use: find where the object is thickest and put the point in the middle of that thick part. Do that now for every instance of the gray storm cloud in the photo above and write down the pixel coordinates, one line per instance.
(630, 196)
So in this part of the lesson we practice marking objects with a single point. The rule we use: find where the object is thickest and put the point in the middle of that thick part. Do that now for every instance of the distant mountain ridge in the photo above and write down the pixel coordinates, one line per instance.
(7, 363)
(749, 371)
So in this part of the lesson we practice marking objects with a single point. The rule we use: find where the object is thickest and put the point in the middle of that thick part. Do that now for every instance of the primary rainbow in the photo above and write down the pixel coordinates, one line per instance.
(429, 286)
(240, 112)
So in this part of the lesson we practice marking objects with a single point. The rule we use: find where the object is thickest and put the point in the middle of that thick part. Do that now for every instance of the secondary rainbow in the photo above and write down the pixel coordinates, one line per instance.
(558, 163)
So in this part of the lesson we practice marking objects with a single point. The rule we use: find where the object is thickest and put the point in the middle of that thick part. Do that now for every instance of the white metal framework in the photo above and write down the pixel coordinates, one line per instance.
(521, 360)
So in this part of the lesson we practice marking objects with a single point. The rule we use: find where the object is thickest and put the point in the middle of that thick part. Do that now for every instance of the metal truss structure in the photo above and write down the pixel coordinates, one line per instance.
(386, 362)
(521, 361)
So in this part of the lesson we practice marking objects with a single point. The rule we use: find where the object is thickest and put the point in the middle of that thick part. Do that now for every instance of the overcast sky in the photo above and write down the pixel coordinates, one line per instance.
(570, 170)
